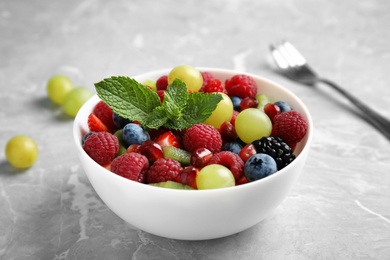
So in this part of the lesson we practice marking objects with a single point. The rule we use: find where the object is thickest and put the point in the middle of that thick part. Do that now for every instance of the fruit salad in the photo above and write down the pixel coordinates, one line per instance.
(190, 130)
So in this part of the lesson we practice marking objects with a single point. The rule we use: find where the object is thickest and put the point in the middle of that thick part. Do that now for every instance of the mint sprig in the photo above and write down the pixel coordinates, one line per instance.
(179, 110)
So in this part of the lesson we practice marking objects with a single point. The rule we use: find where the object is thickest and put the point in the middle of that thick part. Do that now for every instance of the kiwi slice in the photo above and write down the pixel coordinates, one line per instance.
(172, 185)
(180, 155)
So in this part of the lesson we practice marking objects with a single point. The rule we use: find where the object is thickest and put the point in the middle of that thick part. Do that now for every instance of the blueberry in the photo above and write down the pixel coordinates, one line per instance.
(283, 106)
(119, 121)
(134, 134)
(232, 147)
(259, 166)
(236, 102)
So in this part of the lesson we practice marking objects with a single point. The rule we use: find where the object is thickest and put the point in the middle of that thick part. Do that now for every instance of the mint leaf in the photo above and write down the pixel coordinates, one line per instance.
(179, 110)
(128, 98)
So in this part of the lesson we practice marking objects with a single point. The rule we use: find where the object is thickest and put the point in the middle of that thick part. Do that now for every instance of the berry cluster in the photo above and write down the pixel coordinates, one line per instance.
(256, 140)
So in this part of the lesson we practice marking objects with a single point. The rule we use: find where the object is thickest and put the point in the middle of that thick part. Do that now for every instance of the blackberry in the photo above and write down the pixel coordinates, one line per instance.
(276, 148)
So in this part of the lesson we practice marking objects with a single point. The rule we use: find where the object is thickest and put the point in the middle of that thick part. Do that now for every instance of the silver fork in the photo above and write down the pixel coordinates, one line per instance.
(293, 65)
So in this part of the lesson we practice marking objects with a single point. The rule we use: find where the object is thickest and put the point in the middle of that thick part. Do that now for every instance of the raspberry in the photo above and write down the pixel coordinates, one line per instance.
(164, 169)
(291, 126)
(132, 166)
(230, 160)
(101, 147)
(202, 136)
(214, 85)
(162, 83)
(207, 76)
(241, 86)
(104, 113)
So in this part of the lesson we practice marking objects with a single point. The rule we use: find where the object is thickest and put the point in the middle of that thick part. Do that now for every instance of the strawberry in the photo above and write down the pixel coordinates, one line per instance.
(168, 139)
(95, 124)
(104, 113)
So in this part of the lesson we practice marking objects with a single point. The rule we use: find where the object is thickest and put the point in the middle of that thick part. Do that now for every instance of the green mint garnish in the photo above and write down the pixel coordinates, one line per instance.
(180, 109)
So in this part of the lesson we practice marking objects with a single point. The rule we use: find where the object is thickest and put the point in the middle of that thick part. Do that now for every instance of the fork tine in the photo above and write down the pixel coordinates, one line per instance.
(295, 55)
(279, 57)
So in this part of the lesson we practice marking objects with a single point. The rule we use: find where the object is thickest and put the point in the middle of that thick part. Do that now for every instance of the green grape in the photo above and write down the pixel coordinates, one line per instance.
(223, 112)
(214, 176)
(151, 84)
(75, 99)
(252, 124)
(57, 88)
(189, 75)
(263, 100)
(21, 151)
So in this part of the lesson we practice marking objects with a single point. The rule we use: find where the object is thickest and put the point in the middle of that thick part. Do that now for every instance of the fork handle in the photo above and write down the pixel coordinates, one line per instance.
(377, 120)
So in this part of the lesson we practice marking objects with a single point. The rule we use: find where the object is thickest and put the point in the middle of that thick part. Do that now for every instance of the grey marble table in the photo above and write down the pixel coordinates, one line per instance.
(340, 207)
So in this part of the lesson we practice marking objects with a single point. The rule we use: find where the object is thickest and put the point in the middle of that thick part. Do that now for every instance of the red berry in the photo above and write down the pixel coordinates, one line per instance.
(242, 180)
(161, 94)
(95, 124)
(152, 150)
(132, 166)
(164, 169)
(101, 147)
(214, 85)
(271, 110)
(133, 148)
(228, 132)
(207, 76)
(230, 160)
(235, 114)
(162, 83)
(291, 126)
(200, 157)
(241, 86)
(188, 176)
(202, 136)
(168, 139)
(248, 102)
(247, 151)
(104, 113)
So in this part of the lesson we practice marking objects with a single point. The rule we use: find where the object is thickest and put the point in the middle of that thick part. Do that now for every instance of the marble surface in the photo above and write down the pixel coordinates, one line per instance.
(339, 209)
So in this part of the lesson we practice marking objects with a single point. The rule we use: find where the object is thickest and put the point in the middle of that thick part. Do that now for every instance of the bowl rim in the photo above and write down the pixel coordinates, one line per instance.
(305, 149)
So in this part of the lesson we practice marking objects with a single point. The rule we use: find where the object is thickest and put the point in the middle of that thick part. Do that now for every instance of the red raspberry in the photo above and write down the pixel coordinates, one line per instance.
(132, 166)
(241, 86)
(291, 126)
(164, 169)
(214, 85)
(162, 83)
(230, 160)
(104, 113)
(207, 76)
(202, 136)
(101, 147)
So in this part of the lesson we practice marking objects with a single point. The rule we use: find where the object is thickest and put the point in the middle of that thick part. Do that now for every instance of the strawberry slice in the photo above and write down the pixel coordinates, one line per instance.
(168, 139)
(96, 125)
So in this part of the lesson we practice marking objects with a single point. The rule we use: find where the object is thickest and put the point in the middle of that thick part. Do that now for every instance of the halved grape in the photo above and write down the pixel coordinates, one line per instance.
(172, 185)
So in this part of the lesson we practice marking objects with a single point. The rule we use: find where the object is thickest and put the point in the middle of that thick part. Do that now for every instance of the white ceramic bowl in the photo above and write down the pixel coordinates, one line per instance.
(195, 214)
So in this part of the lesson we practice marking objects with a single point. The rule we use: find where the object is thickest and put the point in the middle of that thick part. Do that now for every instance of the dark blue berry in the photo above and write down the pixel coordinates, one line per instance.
(119, 121)
(283, 106)
(134, 134)
(232, 147)
(236, 102)
(259, 166)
